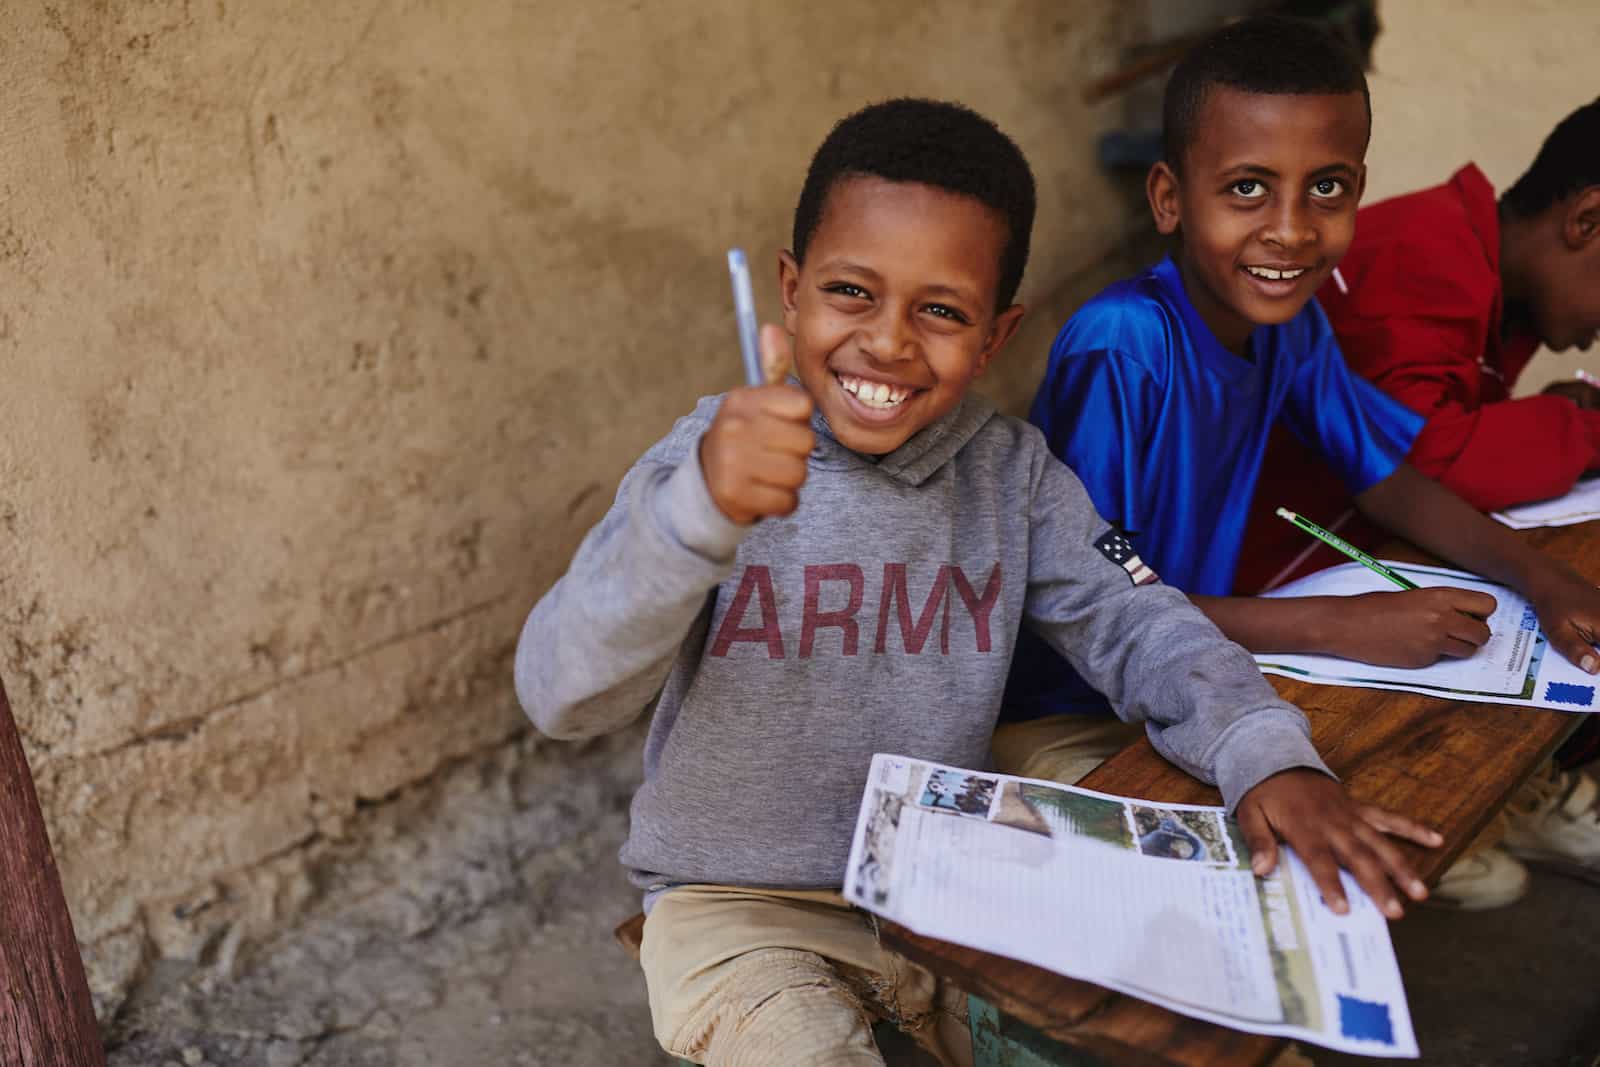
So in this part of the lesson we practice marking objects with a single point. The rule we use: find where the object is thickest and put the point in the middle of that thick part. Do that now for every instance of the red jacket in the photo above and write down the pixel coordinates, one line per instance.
(1421, 317)
(1422, 321)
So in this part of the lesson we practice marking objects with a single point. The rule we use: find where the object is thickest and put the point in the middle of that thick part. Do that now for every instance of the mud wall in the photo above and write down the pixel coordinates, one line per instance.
(326, 331)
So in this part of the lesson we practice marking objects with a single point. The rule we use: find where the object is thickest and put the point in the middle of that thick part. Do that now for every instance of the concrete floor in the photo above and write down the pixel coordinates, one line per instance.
(533, 986)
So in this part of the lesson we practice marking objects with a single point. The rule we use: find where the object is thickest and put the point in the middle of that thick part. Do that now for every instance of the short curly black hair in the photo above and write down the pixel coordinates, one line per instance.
(930, 142)
(1568, 162)
(1268, 54)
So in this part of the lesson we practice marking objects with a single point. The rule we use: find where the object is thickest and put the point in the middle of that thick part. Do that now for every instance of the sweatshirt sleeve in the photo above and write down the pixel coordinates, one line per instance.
(598, 646)
(1493, 455)
(1159, 661)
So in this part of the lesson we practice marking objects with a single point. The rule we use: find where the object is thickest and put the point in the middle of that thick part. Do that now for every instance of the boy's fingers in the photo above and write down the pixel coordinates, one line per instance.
(765, 500)
(1394, 870)
(783, 402)
(1324, 868)
(779, 471)
(1388, 822)
(775, 353)
(1258, 838)
(1473, 602)
(1458, 649)
(1362, 854)
(1576, 647)
(1469, 628)
(788, 438)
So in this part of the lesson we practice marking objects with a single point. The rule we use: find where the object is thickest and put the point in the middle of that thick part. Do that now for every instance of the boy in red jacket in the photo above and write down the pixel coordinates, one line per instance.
(1441, 301)
(1446, 297)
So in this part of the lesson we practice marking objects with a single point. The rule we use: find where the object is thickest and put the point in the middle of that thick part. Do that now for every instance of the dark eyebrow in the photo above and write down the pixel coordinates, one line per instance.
(1342, 170)
(951, 291)
(846, 267)
(1249, 170)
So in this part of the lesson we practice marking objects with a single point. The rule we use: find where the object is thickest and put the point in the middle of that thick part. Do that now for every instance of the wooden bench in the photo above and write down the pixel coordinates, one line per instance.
(46, 1013)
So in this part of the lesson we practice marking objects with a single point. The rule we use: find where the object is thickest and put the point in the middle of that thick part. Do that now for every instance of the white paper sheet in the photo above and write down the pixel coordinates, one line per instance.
(1154, 900)
(1517, 666)
(1580, 505)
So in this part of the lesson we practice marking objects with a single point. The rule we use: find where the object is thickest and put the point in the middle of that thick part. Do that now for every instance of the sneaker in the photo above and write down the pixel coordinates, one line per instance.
(1554, 821)
(1485, 879)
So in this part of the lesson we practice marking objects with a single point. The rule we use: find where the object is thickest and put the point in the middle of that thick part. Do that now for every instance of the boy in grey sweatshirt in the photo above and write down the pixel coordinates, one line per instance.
(808, 575)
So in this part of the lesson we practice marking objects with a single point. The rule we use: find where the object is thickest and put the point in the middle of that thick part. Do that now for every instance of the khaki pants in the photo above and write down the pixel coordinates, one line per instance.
(756, 977)
(1061, 748)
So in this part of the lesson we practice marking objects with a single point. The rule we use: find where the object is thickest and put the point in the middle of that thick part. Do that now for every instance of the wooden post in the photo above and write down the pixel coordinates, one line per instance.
(46, 1014)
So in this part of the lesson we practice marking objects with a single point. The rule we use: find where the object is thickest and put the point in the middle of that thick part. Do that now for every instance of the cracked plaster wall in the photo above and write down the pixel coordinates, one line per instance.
(327, 329)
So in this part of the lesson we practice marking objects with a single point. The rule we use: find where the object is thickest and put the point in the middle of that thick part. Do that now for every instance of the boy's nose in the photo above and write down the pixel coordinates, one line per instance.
(1290, 227)
(888, 339)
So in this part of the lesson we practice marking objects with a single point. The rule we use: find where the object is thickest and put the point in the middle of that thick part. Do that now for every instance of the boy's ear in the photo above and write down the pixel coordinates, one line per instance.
(1161, 189)
(1004, 328)
(788, 288)
(1581, 225)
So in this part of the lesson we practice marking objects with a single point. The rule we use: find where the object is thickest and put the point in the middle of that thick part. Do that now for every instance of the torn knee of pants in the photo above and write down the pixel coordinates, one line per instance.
(753, 983)
(885, 996)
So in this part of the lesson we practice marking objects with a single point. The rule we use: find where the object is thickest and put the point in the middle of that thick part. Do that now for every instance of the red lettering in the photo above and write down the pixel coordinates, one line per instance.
(912, 637)
(978, 607)
(813, 620)
(756, 579)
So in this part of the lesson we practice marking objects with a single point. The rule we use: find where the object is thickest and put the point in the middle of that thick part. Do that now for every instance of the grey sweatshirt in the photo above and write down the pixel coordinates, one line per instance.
(879, 617)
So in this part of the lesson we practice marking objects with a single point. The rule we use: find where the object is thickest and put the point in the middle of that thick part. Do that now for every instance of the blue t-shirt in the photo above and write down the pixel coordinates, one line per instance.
(1167, 429)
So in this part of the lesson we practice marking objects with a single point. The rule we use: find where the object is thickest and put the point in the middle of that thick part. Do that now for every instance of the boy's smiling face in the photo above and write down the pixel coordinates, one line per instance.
(1265, 203)
(893, 312)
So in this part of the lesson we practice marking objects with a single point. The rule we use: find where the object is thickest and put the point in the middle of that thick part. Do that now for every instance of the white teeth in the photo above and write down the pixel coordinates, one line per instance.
(873, 394)
(1276, 275)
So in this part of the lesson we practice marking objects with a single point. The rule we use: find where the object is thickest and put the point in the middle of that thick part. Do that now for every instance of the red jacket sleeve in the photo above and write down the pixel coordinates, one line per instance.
(1494, 455)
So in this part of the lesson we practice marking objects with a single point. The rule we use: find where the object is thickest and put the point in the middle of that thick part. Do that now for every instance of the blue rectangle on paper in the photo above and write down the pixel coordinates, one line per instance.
(1365, 1020)
(1580, 696)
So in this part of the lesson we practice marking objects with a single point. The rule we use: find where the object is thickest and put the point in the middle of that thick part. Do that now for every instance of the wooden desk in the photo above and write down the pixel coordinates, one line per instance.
(1451, 764)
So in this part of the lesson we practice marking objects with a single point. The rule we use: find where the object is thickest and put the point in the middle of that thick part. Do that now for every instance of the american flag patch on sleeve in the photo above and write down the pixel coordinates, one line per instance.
(1115, 546)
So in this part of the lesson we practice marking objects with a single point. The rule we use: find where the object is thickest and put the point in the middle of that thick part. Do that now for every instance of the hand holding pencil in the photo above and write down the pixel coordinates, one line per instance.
(754, 453)
(1408, 628)
(1411, 627)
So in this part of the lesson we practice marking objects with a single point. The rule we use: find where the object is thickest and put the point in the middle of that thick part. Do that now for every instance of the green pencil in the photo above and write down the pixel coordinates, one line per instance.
(1335, 541)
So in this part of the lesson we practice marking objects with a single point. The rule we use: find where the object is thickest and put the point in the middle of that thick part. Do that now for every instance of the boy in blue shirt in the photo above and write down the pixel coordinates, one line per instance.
(1161, 393)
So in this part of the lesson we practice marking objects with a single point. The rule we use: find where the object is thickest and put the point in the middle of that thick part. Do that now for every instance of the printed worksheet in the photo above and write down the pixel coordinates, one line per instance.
(1153, 900)
(1516, 666)
(1580, 505)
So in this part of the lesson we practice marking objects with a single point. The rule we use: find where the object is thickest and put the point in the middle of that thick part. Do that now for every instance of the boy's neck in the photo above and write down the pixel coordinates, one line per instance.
(1519, 241)
(1225, 324)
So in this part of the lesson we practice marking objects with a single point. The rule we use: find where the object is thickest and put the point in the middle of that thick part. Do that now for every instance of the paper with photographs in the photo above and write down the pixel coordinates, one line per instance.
(1516, 666)
(1582, 504)
(1154, 900)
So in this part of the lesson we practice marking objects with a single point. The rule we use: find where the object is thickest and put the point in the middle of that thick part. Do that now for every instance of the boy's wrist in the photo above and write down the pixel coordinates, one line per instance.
(684, 507)
(1263, 743)
(1322, 630)
(1550, 577)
